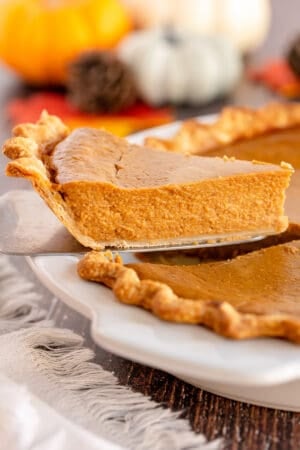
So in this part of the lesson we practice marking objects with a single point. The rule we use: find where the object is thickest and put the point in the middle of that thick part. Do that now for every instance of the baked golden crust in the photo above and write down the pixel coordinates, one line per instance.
(29, 148)
(236, 319)
(232, 125)
(109, 192)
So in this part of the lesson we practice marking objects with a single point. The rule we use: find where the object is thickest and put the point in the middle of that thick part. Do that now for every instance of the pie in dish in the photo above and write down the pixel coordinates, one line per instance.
(235, 306)
(109, 192)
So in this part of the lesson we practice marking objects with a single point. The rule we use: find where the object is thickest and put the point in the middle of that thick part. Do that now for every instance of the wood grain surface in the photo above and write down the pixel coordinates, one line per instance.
(242, 426)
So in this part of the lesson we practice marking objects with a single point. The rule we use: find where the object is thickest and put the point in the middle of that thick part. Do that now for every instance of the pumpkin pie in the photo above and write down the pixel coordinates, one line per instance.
(235, 306)
(109, 192)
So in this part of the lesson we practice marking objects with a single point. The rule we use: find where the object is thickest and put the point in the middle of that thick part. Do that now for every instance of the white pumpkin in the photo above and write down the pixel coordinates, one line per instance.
(180, 67)
(245, 21)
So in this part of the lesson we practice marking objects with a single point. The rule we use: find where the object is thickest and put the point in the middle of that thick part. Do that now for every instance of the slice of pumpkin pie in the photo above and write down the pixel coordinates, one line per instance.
(109, 192)
(257, 294)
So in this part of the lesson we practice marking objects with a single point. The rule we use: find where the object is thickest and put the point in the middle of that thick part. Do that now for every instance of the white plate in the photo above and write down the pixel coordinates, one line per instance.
(260, 371)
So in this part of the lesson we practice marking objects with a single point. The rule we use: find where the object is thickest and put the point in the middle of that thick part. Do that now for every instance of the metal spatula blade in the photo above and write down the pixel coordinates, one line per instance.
(28, 227)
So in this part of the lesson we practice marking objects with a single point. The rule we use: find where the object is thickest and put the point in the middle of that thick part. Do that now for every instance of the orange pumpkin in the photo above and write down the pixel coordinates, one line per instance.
(39, 37)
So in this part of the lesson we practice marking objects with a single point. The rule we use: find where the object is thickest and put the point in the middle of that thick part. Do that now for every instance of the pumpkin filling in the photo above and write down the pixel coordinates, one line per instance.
(141, 194)
(272, 148)
(276, 272)
(93, 155)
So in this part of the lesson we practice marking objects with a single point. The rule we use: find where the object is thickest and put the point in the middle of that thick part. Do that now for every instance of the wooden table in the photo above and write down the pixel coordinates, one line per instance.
(241, 425)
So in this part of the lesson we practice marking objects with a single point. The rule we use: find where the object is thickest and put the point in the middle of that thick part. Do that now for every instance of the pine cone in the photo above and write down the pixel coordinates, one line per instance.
(293, 56)
(99, 82)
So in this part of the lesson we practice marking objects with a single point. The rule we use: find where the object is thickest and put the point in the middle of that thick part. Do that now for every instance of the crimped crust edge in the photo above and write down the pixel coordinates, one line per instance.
(232, 125)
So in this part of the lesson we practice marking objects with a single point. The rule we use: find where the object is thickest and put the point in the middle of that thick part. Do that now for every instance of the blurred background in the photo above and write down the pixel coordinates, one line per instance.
(126, 65)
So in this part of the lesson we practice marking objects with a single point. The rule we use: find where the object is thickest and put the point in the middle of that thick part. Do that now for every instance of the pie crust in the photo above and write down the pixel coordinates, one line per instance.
(108, 192)
(233, 125)
(267, 307)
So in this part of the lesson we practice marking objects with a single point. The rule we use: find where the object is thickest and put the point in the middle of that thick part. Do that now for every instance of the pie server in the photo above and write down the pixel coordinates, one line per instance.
(28, 227)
